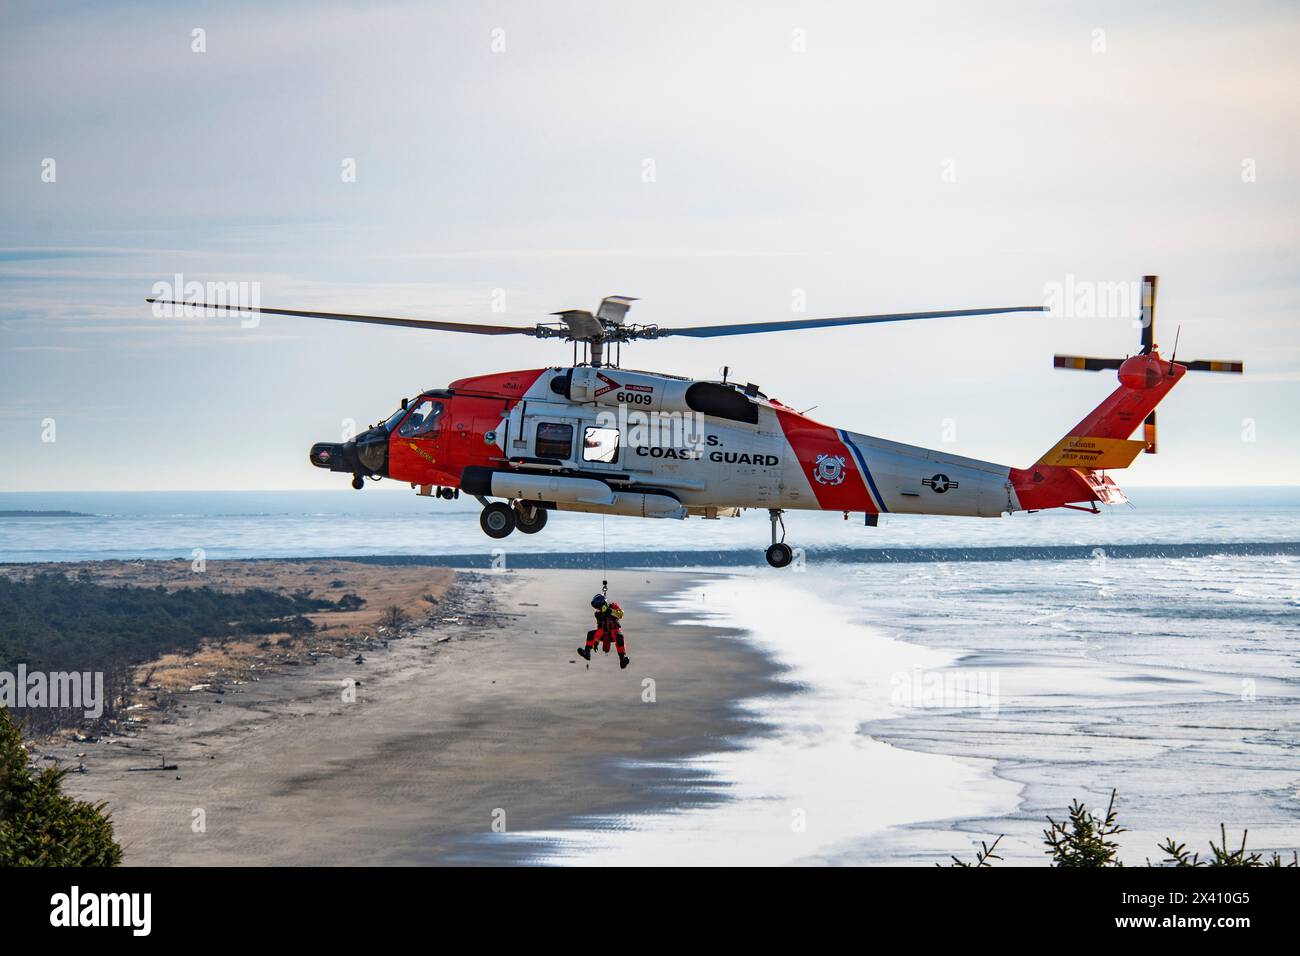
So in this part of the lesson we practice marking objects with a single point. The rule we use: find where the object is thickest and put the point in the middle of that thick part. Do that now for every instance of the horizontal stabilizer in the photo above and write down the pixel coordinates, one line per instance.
(1083, 451)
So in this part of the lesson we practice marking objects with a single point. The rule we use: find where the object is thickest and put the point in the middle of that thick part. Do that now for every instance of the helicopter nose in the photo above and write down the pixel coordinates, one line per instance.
(335, 457)
(367, 454)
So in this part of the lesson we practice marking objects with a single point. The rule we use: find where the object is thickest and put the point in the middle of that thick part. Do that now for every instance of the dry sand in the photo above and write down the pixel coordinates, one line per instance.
(452, 726)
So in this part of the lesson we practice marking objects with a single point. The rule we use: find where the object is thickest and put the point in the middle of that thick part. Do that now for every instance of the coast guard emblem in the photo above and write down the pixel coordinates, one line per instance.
(829, 469)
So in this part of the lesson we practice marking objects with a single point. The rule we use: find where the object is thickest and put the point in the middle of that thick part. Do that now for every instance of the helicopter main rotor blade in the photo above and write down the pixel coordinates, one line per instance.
(747, 328)
(430, 324)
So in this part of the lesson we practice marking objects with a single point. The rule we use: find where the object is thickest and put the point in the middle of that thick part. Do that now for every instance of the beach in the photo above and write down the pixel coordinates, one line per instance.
(460, 733)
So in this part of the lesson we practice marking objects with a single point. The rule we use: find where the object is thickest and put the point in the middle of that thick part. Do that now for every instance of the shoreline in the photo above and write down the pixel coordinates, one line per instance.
(811, 781)
(1191, 725)
(450, 725)
(677, 780)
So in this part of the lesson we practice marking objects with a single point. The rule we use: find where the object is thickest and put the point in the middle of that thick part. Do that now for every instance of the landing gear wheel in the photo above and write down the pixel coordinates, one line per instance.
(497, 520)
(530, 520)
(779, 555)
(358, 482)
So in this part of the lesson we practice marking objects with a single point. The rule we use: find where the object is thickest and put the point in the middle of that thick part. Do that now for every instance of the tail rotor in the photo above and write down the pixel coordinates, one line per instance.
(1146, 346)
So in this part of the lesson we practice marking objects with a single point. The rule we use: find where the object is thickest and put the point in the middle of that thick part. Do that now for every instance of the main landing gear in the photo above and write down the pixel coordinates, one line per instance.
(779, 554)
(499, 519)
(529, 519)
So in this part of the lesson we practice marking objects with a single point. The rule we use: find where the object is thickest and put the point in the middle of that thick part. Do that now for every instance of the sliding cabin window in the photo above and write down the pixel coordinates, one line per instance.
(600, 444)
(554, 440)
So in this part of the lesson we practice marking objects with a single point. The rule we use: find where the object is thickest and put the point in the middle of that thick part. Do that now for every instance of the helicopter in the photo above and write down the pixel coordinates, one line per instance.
(592, 437)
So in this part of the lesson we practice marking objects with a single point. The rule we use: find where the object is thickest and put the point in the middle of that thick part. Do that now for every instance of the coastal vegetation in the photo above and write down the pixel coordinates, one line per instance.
(1084, 839)
(40, 825)
(54, 623)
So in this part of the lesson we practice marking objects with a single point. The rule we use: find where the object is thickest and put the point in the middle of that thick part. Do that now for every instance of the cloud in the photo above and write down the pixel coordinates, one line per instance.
(524, 172)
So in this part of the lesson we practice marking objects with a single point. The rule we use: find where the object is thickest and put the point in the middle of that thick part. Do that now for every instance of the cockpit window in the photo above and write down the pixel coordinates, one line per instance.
(393, 419)
(423, 421)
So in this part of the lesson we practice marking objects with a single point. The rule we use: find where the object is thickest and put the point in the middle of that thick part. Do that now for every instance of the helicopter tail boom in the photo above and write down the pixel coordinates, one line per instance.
(1073, 470)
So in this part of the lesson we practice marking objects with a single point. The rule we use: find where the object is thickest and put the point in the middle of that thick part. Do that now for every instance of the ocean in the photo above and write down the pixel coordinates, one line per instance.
(132, 525)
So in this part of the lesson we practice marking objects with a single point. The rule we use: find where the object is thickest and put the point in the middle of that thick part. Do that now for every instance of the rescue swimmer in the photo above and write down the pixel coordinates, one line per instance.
(609, 629)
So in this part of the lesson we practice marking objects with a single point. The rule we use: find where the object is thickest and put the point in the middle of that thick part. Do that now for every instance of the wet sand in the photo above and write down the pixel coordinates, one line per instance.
(456, 728)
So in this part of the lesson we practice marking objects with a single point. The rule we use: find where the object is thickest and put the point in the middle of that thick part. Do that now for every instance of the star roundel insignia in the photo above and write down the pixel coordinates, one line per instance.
(939, 483)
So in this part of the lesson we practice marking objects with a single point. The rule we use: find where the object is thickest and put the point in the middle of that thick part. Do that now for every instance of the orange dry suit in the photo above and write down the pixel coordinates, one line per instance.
(609, 629)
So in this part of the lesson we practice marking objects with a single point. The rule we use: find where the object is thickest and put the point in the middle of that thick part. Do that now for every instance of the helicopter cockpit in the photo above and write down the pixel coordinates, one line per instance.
(423, 421)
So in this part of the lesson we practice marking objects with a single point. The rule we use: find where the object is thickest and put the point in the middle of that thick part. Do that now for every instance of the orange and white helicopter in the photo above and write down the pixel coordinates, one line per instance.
(595, 438)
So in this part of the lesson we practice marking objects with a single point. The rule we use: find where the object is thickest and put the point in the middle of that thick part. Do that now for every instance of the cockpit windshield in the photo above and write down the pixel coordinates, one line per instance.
(393, 419)
(423, 421)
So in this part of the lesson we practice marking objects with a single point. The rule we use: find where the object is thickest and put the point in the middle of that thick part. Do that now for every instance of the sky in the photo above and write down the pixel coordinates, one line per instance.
(719, 161)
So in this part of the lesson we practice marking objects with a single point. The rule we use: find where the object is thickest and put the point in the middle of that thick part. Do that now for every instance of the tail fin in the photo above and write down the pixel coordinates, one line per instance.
(1070, 471)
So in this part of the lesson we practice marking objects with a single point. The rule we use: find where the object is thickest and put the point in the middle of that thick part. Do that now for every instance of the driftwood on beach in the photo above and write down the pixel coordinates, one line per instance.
(162, 766)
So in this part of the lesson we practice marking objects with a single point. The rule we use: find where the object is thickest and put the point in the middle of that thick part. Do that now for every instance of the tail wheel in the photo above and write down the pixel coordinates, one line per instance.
(497, 520)
(530, 519)
(779, 555)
